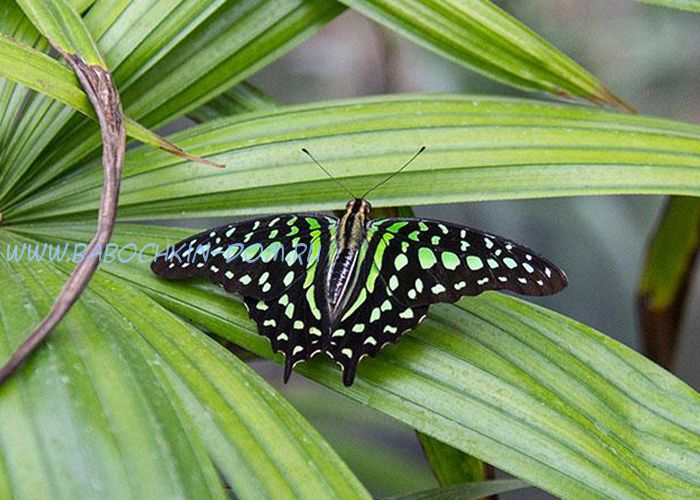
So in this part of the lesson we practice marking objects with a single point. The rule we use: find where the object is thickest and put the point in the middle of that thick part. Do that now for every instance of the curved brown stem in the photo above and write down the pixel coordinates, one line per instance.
(98, 85)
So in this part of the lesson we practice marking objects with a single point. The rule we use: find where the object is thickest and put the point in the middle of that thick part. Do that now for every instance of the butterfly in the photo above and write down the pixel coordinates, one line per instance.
(347, 287)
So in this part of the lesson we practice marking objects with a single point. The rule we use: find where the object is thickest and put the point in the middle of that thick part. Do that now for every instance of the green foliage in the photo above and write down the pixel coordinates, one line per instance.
(128, 400)
(666, 278)
(478, 34)
(450, 465)
(468, 491)
(691, 5)
(671, 253)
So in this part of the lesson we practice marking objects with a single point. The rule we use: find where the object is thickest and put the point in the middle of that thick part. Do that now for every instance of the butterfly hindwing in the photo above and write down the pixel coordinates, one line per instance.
(373, 318)
(296, 322)
(380, 319)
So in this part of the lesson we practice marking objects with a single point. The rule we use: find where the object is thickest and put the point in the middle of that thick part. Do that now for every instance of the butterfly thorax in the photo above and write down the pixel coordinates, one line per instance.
(352, 232)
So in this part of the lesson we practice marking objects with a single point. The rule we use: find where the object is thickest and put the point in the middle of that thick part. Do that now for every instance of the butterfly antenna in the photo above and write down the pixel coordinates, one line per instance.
(395, 173)
(306, 151)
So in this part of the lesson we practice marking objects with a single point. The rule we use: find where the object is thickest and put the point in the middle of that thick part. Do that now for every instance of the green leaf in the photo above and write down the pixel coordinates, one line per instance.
(671, 252)
(61, 24)
(478, 34)
(242, 98)
(478, 149)
(690, 5)
(205, 49)
(536, 394)
(667, 273)
(450, 465)
(128, 401)
(22, 112)
(39, 72)
(470, 491)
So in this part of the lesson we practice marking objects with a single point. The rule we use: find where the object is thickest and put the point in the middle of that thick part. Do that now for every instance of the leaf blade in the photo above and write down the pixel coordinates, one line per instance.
(478, 34)
(58, 376)
(478, 149)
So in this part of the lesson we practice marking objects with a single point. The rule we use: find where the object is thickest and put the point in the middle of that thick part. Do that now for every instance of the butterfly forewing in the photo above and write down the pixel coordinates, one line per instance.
(427, 261)
(258, 258)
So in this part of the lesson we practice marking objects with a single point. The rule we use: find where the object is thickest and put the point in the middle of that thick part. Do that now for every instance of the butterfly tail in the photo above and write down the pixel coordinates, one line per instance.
(288, 365)
(349, 371)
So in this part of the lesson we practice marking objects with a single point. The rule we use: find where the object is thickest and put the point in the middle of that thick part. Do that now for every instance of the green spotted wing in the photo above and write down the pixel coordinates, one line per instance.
(278, 265)
(408, 264)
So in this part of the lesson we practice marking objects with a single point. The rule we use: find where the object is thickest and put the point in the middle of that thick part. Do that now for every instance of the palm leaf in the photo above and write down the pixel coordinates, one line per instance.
(478, 34)
(545, 398)
(479, 149)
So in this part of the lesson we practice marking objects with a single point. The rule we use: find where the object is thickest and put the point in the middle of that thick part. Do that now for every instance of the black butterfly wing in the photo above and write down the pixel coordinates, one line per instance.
(277, 264)
(408, 264)
(374, 317)
(297, 321)
(257, 258)
(430, 261)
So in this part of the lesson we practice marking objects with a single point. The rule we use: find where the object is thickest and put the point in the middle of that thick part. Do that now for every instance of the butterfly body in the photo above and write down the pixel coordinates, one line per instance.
(348, 287)
(352, 233)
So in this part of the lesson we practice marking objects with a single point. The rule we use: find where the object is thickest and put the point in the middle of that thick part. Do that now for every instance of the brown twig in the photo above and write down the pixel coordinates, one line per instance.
(98, 85)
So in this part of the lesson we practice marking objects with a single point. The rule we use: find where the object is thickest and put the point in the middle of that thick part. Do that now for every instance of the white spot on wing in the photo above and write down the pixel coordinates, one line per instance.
(407, 314)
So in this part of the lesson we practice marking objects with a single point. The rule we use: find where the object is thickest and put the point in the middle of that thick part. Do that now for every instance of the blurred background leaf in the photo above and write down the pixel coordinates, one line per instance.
(470, 491)
(691, 5)
(478, 34)
(668, 271)
(450, 465)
